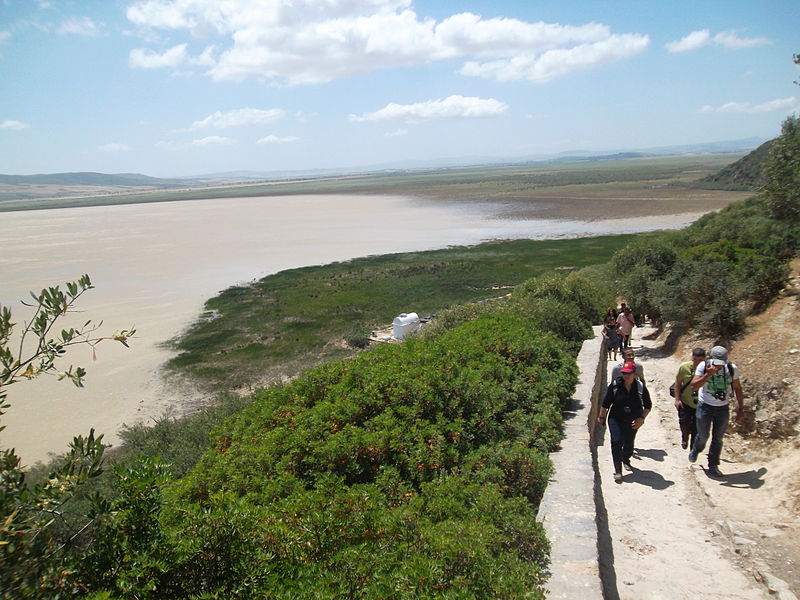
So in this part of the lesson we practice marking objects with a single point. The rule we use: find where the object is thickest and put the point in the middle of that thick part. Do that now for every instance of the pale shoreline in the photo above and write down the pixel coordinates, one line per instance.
(154, 265)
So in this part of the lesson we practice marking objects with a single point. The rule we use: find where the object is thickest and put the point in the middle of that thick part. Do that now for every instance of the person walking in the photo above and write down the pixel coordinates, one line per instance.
(628, 355)
(626, 405)
(611, 336)
(715, 380)
(626, 322)
(686, 397)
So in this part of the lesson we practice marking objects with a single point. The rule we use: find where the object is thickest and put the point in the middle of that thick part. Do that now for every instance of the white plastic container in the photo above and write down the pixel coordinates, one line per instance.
(405, 324)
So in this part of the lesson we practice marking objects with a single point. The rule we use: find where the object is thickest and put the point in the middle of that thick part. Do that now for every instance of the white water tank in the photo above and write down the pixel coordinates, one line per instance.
(404, 324)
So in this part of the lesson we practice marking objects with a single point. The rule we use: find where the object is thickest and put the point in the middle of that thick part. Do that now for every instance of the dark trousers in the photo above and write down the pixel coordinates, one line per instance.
(622, 436)
(713, 419)
(687, 419)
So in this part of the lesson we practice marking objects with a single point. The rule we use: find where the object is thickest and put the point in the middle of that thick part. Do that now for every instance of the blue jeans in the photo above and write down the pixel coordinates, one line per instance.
(715, 419)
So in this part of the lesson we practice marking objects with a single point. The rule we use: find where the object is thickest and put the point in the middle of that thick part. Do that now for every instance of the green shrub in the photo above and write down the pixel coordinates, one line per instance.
(589, 299)
(457, 315)
(408, 471)
(781, 173)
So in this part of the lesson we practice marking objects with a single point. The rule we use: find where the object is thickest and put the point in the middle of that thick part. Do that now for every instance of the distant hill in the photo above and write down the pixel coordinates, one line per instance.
(89, 178)
(744, 174)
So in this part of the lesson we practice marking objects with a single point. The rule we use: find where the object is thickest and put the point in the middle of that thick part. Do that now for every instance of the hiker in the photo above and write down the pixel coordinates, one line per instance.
(611, 336)
(626, 322)
(627, 404)
(713, 378)
(628, 355)
(686, 397)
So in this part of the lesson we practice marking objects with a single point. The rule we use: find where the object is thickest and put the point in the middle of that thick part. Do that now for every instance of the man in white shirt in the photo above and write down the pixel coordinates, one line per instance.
(715, 380)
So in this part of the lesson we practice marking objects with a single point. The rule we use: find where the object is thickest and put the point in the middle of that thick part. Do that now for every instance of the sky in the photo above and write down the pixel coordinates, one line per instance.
(172, 88)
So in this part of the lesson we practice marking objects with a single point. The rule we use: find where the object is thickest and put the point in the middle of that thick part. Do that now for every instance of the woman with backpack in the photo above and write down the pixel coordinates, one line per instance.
(626, 404)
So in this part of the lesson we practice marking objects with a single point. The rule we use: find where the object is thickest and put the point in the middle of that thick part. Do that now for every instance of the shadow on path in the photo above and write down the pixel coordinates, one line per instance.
(656, 454)
(745, 479)
(648, 478)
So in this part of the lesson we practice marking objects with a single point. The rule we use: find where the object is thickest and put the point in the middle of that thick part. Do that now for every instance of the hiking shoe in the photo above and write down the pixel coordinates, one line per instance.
(618, 477)
(692, 455)
(627, 466)
(714, 471)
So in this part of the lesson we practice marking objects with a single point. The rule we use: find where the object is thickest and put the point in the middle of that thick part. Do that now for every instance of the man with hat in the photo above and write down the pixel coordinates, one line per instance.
(715, 379)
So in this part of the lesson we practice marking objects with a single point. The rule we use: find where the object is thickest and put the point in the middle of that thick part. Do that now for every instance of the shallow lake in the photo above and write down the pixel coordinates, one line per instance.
(153, 266)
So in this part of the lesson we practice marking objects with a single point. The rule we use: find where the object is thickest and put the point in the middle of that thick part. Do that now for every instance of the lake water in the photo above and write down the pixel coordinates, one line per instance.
(153, 266)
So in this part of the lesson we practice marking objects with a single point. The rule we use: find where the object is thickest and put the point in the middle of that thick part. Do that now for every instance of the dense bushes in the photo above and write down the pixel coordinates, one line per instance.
(409, 471)
(712, 274)
(781, 188)
(726, 264)
(565, 305)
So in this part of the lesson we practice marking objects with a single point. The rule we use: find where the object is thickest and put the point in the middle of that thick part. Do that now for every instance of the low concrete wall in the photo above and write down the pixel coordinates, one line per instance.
(568, 510)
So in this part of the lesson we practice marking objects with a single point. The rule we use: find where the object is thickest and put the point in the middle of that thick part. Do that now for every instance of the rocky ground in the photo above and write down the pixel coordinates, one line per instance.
(672, 531)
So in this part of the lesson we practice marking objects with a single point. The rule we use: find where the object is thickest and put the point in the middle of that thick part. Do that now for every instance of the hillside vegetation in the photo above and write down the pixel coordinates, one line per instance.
(744, 174)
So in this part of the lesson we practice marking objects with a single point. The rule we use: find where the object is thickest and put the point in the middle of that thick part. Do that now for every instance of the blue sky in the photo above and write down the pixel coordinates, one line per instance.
(188, 87)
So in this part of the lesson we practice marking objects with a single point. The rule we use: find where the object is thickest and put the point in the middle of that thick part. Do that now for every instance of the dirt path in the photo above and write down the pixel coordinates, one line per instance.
(670, 531)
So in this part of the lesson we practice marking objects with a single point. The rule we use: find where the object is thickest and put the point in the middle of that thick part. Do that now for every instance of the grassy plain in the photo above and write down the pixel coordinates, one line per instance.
(254, 334)
(552, 189)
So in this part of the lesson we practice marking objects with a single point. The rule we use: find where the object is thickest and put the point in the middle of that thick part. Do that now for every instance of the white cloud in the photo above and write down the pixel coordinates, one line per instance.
(114, 148)
(728, 39)
(239, 118)
(274, 139)
(141, 58)
(4, 35)
(558, 62)
(693, 41)
(212, 140)
(79, 26)
(15, 125)
(452, 107)
(396, 133)
(780, 104)
(307, 41)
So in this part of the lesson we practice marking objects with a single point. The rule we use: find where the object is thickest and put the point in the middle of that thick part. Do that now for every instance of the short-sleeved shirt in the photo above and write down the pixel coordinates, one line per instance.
(717, 389)
(625, 323)
(684, 376)
(616, 371)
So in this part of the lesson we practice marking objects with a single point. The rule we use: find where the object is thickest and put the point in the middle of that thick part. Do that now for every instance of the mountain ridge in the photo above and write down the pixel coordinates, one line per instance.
(138, 179)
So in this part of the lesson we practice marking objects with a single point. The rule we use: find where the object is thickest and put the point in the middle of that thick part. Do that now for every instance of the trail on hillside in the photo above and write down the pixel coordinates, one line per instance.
(670, 530)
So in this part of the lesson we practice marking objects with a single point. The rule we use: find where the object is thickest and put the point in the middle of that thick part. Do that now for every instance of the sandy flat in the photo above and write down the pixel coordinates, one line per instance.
(154, 265)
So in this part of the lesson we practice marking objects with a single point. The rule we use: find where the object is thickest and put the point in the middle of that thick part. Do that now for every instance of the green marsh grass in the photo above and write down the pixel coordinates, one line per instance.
(301, 317)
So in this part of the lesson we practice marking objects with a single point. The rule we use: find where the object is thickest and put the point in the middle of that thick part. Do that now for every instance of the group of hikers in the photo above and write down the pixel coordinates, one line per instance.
(617, 328)
(703, 389)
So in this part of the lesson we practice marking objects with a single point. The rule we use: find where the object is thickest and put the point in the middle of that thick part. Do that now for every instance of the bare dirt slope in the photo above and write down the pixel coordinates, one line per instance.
(670, 530)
